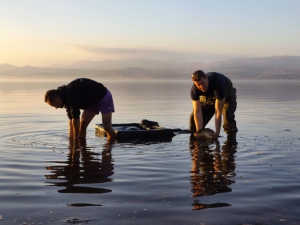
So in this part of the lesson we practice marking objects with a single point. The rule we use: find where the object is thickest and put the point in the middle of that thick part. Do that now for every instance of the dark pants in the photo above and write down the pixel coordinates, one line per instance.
(208, 110)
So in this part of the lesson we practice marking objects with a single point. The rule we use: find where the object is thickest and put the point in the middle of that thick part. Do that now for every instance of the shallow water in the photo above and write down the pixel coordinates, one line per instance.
(47, 180)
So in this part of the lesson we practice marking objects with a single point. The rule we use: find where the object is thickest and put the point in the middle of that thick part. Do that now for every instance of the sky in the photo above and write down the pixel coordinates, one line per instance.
(49, 32)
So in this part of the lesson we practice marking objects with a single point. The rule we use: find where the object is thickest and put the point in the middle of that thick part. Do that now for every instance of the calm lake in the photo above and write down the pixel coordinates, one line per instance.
(44, 179)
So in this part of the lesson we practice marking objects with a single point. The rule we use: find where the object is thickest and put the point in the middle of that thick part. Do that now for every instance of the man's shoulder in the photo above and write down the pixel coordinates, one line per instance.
(216, 77)
(81, 80)
(72, 83)
(195, 92)
(194, 89)
(214, 74)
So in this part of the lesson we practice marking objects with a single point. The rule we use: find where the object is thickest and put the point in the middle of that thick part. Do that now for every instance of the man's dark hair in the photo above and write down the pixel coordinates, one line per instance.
(197, 75)
(51, 95)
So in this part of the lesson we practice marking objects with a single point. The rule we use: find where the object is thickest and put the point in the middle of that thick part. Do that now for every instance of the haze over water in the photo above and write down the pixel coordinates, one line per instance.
(45, 179)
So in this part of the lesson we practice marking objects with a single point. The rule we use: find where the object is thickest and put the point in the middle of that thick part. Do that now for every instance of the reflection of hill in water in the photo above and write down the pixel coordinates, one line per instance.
(82, 167)
(212, 170)
(285, 90)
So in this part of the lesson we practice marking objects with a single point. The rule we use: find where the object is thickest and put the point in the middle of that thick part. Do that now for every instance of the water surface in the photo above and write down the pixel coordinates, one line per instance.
(45, 179)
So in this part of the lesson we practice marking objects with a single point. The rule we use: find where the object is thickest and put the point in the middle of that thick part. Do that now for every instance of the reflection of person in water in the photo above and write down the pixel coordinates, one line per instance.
(83, 167)
(212, 170)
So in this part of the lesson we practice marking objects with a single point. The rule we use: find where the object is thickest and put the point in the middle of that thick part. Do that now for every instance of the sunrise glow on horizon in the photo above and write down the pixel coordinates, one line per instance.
(44, 33)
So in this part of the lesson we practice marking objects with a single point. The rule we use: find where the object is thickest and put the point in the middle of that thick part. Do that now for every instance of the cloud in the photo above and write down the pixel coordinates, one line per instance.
(149, 53)
(125, 51)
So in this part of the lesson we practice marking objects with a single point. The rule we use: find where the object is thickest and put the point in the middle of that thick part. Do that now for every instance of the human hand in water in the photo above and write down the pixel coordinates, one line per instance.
(214, 135)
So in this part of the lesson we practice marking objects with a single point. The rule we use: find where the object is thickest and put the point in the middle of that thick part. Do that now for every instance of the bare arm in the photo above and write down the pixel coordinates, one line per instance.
(218, 115)
(198, 117)
(74, 125)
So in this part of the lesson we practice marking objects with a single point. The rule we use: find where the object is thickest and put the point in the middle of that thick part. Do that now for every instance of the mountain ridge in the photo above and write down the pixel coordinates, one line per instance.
(276, 67)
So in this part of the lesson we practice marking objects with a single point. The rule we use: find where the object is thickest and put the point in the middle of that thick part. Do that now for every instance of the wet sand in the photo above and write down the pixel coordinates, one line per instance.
(47, 180)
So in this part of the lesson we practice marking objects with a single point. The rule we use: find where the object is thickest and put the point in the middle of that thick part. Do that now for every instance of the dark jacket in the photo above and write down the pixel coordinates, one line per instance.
(81, 93)
(219, 87)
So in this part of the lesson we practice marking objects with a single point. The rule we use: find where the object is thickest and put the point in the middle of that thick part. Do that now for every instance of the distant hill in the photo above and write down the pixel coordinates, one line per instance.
(124, 63)
(277, 67)
(7, 67)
